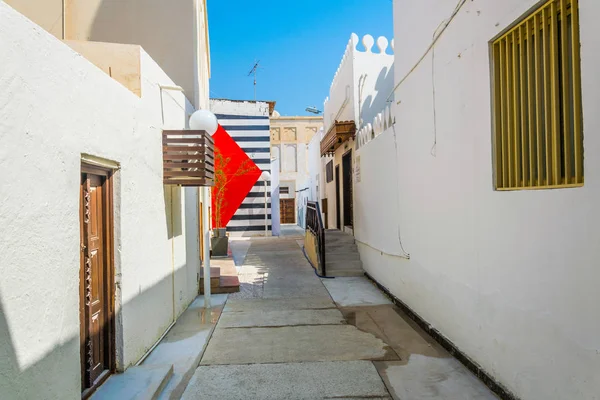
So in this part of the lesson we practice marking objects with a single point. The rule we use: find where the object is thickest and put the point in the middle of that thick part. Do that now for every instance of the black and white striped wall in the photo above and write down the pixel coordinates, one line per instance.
(247, 122)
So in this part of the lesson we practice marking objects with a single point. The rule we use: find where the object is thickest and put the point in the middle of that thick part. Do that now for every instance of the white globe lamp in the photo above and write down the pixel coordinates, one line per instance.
(265, 176)
(204, 120)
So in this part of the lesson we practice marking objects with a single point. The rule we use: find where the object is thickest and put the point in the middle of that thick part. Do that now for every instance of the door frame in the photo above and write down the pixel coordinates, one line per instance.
(338, 198)
(108, 198)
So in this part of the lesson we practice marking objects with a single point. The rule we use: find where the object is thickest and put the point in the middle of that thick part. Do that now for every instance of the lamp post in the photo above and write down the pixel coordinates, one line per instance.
(266, 176)
(204, 120)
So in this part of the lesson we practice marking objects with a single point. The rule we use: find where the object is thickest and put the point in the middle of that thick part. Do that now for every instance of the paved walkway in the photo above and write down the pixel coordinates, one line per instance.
(290, 335)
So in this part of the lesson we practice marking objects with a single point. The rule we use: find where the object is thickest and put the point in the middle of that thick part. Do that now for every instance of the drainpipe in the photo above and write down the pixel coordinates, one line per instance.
(205, 220)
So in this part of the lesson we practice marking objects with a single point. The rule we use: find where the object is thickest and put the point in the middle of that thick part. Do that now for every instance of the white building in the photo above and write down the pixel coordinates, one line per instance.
(82, 180)
(290, 137)
(445, 213)
(247, 122)
(360, 90)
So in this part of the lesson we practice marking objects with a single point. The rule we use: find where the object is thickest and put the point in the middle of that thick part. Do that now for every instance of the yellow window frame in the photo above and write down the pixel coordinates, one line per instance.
(538, 133)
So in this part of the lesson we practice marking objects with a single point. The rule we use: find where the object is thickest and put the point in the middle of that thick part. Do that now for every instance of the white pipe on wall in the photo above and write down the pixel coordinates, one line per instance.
(206, 233)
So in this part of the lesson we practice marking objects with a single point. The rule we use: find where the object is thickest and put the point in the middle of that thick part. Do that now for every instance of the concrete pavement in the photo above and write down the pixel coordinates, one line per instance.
(286, 336)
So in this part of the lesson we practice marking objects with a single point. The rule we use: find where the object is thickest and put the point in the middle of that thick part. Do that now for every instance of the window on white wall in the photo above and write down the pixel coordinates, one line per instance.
(289, 158)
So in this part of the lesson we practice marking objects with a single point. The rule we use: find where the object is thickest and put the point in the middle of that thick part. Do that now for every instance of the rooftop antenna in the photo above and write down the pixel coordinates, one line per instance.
(253, 71)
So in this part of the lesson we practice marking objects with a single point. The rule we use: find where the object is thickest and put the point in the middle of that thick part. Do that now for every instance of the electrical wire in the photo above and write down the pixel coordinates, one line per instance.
(433, 151)
(460, 4)
(405, 253)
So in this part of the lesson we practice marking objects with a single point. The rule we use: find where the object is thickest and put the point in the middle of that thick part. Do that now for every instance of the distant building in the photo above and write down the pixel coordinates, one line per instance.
(290, 137)
(248, 123)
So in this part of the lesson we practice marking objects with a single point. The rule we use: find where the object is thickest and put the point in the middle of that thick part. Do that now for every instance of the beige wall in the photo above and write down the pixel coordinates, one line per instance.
(165, 29)
(119, 61)
(46, 13)
(173, 33)
(298, 131)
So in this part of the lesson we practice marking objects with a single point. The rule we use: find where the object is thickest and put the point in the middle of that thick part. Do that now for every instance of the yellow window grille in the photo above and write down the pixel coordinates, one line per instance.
(538, 137)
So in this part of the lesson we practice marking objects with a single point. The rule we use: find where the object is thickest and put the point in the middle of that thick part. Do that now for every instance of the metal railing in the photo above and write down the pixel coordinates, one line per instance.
(314, 224)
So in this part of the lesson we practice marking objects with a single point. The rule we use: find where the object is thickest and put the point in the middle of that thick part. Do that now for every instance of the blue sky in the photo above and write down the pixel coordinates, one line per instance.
(299, 43)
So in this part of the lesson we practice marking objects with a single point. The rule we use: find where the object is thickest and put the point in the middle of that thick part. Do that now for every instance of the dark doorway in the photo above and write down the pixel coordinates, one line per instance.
(96, 279)
(347, 172)
(338, 201)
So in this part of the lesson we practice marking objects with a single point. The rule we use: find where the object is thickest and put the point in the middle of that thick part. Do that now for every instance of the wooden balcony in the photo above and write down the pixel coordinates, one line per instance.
(337, 135)
(188, 158)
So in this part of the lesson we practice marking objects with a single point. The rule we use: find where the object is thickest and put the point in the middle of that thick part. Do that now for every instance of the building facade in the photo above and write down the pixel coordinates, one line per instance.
(360, 89)
(174, 34)
(93, 241)
(290, 137)
(485, 221)
(248, 123)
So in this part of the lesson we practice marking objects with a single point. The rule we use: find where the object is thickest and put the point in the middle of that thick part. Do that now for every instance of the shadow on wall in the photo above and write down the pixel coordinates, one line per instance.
(173, 211)
(150, 24)
(57, 374)
(372, 105)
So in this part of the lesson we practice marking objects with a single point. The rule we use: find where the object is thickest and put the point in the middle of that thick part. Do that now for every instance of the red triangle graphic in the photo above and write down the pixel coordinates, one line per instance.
(235, 175)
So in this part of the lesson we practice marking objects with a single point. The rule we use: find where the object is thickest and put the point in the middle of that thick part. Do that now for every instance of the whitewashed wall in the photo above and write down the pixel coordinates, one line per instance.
(361, 89)
(315, 179)
(509, 277)
(54, 107)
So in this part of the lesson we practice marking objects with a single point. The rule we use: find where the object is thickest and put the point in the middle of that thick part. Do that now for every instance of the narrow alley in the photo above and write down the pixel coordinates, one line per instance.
(208, 199)
(290, 335)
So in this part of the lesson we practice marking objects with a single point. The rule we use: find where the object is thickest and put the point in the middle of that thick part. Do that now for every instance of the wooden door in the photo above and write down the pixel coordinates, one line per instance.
(348, 196)
(338, 201)
(96, 281)
(287, 210)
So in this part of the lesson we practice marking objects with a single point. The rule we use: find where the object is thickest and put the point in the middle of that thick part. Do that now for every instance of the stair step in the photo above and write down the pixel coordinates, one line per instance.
(343, 273)
(215, 275)
(339, 247)
(136, 383)
(343, 265)
(227, 284)
(342, 256)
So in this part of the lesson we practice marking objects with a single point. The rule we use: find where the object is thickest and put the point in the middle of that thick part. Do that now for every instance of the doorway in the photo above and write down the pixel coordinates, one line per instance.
(96, 289)
(287, 211)
(347, 172)
(338, 201)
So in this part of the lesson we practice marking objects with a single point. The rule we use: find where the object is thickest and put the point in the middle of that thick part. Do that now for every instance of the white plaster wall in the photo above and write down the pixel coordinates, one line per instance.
(241, 107)
(315, 171)
(340, 102)
(509, 277)
(54, 107)
(373, 77)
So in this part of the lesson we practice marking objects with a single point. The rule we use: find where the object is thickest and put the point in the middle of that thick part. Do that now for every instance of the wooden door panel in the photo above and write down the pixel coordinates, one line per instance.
(287, 209)
(96, 277)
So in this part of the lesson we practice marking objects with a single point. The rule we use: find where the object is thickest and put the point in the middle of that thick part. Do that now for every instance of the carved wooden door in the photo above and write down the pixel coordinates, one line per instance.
(95, 281)
(287, 213)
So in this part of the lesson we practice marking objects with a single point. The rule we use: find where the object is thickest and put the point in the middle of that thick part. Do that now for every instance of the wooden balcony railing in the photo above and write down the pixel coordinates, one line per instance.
(188, 158)
(339, 132)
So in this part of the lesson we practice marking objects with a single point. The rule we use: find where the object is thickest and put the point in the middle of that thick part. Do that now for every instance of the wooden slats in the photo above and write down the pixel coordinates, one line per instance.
(537, 96)
(577, 113)
(337, 134)
(188, 158)
(541, 165)
(547, 97)
(554, 101)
